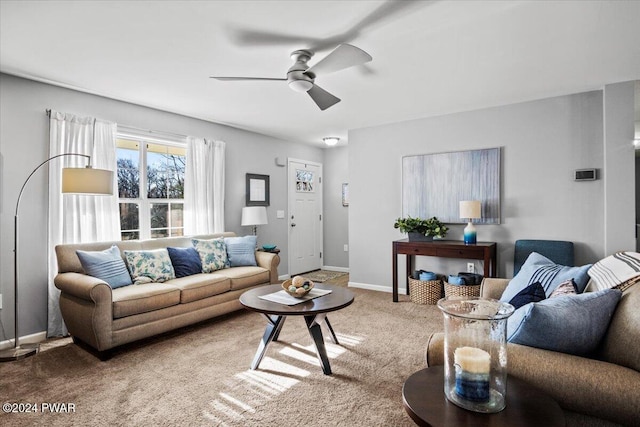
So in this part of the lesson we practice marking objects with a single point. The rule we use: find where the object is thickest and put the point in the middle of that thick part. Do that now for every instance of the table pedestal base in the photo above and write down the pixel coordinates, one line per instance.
(314, 326)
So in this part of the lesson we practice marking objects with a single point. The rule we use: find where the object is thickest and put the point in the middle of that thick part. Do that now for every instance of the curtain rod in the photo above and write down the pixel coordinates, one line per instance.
(134, 129)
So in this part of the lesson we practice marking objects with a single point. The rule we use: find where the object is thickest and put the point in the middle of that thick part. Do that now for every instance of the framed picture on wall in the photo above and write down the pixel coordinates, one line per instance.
(345, 194)
(257, 190)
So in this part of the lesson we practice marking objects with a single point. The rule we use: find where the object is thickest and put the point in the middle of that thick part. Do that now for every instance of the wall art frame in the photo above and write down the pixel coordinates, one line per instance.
(257, 190)
(434, 184)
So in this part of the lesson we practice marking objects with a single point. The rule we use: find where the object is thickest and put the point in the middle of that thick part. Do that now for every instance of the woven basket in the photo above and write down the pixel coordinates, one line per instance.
(461, 290)
(425, 291)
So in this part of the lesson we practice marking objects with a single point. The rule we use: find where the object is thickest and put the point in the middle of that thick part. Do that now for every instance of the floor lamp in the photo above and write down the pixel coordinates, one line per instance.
(74, 180)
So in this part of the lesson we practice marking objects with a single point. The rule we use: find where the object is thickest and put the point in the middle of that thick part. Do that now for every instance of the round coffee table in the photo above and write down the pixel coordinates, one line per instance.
(314, 312)
(425, 402)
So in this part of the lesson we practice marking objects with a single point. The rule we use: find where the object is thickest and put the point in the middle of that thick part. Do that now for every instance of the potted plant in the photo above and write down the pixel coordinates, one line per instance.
(421, 229)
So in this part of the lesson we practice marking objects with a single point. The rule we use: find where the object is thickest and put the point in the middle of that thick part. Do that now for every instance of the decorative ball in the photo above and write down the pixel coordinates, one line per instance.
(300, 288)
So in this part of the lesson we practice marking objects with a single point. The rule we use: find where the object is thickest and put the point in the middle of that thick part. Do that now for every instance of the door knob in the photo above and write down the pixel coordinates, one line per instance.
(293, 224)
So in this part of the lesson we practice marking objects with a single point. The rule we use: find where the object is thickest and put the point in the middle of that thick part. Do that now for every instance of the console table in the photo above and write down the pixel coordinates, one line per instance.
(485, 251)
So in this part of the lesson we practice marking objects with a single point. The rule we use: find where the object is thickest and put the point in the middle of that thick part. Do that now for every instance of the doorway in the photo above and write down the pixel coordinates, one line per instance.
(305, 216)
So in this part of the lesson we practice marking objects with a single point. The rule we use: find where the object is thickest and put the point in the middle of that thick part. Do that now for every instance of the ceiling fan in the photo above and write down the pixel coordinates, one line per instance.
(301, 77)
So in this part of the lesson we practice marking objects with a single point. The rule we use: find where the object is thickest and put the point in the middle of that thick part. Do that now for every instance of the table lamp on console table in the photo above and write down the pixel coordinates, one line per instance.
(470, 209)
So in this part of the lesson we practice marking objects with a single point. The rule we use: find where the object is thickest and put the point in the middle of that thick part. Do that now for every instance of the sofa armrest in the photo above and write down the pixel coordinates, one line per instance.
(86, 304)
(81, 286)
(270, 261)
(493, 287)
(578, 384)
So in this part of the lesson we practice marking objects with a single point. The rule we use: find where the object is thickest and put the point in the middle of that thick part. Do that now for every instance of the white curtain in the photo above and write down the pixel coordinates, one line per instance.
(78, 218)
(204, 186)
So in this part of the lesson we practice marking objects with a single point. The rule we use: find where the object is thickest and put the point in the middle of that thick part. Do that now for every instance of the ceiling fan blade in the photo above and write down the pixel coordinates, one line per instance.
(344, 56)
(322, 98)
(232, 79)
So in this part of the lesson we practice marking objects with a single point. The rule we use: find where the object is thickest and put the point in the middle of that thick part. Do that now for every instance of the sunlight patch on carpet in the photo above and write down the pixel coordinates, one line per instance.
(240, 404)
(333, 350)
(273, 378)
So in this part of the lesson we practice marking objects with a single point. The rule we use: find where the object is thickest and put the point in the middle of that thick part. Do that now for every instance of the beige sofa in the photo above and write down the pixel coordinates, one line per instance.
(592, 391)
(104, 318)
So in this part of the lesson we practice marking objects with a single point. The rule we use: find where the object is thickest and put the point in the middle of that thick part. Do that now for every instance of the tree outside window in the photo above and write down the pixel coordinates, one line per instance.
(158, 210)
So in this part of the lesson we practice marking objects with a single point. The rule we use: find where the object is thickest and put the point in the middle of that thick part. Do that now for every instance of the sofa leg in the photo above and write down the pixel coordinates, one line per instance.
(103, 355)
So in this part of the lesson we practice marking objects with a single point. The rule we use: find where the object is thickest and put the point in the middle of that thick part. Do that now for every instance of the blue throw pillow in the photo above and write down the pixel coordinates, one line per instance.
(532, 293)
(241, 250)
(106, 265)
(572, 324)
(538, 268)
(185, 261)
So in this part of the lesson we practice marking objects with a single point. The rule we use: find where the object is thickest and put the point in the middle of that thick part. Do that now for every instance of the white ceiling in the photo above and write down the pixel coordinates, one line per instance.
(429, 57)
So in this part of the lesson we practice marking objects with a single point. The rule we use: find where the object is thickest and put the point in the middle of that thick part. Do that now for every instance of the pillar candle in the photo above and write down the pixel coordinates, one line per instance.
(473, 368)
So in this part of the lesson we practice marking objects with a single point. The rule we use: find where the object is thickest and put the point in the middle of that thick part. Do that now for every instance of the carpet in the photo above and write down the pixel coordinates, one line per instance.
(323, 275)
(200, 376)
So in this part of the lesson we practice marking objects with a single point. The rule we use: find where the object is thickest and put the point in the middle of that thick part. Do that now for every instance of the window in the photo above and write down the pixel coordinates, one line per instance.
(151, 203)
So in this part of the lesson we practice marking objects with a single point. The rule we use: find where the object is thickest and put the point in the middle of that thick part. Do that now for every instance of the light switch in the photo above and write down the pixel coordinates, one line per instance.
(279, 214)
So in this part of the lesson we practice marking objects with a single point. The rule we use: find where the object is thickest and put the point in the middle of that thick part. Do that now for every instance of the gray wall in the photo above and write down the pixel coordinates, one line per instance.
(24, 142)
(336, 227)
(542, 143)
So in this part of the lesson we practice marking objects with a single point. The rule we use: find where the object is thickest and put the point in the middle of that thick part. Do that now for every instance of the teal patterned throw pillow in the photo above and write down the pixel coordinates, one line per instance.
(213, 254)
(149, 266)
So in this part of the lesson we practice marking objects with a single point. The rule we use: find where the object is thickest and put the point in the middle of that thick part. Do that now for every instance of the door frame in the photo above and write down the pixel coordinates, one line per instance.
(289, 209)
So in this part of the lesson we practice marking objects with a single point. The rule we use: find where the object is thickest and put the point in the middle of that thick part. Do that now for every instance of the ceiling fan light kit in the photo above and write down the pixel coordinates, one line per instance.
(301, 77)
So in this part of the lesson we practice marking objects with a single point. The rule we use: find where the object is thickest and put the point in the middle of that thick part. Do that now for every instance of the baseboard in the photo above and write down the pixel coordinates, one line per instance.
(340, 269)
(28, 339)
(284, 277)
(375, 287)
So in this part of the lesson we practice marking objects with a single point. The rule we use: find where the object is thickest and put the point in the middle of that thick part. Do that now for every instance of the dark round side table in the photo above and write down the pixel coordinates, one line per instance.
(425, 402)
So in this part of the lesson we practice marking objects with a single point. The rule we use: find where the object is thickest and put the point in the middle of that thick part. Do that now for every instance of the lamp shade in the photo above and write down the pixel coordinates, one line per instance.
(470, 209)
(254, 215)
(87, 181)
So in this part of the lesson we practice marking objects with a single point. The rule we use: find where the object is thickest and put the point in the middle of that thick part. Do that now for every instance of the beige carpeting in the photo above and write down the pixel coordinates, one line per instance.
(200, 376)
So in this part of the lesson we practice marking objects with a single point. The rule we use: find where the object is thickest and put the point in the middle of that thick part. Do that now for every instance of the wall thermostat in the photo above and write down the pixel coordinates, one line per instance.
(585, 174)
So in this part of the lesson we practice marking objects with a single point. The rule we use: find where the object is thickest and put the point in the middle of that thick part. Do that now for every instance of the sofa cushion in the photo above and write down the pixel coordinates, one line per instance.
(241, 250)
(532, 293)
(245, 277)
(106, 265)
(573, 324)
(538, 268)
(149, 266)
(213, 254)
(200, 286)
(185, 261)
(130, 300)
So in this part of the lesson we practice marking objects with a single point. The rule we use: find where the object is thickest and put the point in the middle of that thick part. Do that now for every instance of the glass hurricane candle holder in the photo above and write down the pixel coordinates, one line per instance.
(475, 350)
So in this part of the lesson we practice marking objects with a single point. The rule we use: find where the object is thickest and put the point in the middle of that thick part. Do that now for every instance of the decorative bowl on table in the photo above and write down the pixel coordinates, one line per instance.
(268, 248)
(297, 287)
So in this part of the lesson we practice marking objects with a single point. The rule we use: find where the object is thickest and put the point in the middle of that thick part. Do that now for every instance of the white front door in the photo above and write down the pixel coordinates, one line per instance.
(305, 216)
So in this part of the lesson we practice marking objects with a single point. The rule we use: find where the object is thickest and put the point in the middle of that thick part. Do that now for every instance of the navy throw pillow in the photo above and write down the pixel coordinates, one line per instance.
(186, 261)
(532, 293)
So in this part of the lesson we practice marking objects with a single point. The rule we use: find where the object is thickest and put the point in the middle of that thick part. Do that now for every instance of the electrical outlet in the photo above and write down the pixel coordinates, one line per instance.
(470, 268)
(346, 248)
